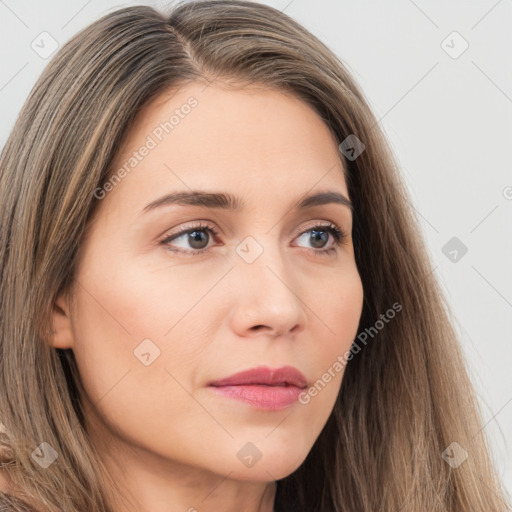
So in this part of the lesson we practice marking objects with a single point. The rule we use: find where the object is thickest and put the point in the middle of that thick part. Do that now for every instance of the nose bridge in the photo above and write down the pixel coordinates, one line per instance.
(267, 292)
(260, 257)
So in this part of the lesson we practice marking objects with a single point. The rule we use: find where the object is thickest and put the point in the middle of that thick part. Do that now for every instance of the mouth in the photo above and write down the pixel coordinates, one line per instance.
(263, 388)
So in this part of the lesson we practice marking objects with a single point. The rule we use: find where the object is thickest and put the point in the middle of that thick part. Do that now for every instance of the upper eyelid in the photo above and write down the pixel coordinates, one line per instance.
(202, 224)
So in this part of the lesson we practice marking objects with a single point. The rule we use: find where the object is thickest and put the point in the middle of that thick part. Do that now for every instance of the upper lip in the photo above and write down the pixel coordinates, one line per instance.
(286, 375)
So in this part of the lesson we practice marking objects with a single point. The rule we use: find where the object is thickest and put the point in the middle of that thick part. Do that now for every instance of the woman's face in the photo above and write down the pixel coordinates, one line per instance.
(161, 314)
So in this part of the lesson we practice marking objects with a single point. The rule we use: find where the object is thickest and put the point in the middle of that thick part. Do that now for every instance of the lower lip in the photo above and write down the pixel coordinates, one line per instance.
(269, 398)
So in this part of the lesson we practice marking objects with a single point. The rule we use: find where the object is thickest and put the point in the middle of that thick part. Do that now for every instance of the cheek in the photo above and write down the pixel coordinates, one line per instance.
(133, 376)
(137, 336)
(127, 321)
(339, 311)
(153, 299)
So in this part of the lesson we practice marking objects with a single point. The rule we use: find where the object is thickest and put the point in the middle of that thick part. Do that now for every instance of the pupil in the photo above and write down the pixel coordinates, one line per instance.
(195, 237)
(316, 238)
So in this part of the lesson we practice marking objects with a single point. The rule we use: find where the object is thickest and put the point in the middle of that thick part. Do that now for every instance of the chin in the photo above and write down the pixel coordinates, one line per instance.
(274, 464)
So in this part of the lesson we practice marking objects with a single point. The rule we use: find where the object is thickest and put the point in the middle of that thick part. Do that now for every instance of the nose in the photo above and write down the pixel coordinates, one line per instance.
(268, 299)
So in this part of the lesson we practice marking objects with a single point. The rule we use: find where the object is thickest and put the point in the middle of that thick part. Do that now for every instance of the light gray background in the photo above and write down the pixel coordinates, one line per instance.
(449, 121)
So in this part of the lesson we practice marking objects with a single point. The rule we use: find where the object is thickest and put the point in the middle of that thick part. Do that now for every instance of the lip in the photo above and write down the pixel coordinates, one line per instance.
(262, 387)
(286, 375)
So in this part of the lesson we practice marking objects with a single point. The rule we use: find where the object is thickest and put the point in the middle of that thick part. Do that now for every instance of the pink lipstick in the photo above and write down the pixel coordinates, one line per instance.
(263, 388)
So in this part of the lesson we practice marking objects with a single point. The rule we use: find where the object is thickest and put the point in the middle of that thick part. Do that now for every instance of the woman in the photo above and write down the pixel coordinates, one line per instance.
(214, 295)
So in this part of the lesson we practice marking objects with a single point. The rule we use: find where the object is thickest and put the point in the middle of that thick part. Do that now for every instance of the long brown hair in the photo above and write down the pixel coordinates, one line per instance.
(405, 395)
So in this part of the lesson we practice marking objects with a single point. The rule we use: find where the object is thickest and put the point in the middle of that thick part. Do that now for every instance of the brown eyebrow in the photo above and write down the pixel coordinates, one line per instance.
(232, 203)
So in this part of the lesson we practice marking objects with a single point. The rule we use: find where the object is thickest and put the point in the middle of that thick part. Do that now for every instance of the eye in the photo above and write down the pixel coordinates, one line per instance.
(197, 237)
(319, 236)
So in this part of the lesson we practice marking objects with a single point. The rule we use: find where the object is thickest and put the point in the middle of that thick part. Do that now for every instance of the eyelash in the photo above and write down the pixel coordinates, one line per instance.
(337, 233)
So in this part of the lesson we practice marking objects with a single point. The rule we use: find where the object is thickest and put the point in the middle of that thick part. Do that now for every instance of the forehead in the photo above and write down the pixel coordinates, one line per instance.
(255, 140)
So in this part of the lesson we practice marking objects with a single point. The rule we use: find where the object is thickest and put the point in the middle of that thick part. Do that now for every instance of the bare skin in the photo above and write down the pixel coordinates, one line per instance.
(171, 441)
